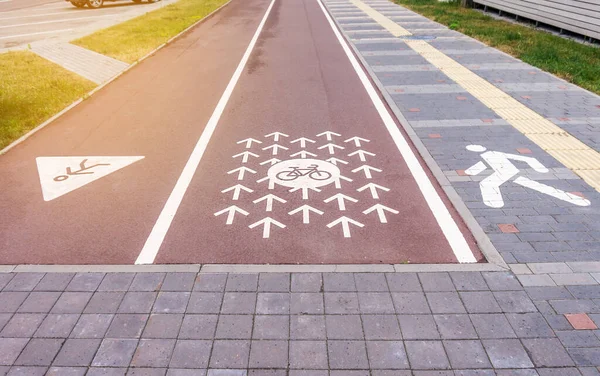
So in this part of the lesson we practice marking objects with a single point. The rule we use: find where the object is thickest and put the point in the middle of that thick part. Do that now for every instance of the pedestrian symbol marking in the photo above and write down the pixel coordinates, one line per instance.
(61, 175)
(505, 170)
(303, 173)
(231, 213)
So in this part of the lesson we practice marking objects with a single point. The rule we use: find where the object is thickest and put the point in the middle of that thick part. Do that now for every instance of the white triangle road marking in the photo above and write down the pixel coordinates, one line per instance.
(61, 175)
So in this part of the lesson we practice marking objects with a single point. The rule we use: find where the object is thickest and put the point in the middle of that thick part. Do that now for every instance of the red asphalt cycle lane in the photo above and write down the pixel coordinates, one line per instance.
(302, 169)
(157, 111)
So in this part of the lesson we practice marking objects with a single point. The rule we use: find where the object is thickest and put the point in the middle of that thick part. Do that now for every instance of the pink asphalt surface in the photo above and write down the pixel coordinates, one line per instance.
(298, 81)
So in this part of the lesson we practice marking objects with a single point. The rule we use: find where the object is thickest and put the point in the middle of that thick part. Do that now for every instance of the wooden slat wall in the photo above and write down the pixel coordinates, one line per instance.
(578, 16)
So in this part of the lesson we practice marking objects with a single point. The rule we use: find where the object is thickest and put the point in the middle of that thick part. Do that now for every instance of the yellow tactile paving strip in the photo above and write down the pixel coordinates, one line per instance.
(567, 149)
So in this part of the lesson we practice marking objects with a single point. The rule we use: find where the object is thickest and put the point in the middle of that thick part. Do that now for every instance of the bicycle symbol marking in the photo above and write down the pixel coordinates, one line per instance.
(311, 171)
(303, 173)
(83, 170)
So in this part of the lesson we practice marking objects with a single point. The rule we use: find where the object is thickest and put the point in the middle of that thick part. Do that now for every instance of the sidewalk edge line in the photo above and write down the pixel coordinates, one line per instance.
(483, 241)
(101, 86)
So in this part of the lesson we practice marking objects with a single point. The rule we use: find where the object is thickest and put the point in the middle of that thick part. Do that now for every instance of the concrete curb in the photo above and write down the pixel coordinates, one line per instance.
(98, 88)
(251, 268)
(483, 241)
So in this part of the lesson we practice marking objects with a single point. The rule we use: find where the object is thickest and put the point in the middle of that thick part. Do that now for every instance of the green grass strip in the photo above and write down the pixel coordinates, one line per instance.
(135, 38)
(573, 61)
(33, 89)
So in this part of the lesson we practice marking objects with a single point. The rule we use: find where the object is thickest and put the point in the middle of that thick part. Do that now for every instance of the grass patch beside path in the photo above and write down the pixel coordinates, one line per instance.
(576, 63)
(135, 38)
(33, 89)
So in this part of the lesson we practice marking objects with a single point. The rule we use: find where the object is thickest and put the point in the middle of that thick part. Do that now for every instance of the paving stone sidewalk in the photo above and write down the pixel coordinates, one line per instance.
(458, 323)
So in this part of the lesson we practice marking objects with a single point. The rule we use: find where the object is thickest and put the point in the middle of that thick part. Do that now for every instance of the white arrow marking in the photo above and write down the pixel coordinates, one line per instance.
(303, 154)
(267, 222)
(367, 169)
(373, 188)
(357, 141)
(335, 161)
(245, 156)
(275, 148)
(249, 142)
(242, 170)
(361, 154)
(381, 211)
(271, 182)
(303, 141)
(305, 209)
(305, 191)
(340, 199)
(236, 191)
(272, 161)
(331, 148)
(231, 213)
(269, 198)
(338, 183)
(328, 134)
(276, 135)
(345, 221)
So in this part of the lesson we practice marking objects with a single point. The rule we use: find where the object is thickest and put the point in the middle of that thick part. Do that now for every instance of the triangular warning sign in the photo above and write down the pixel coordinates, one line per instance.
(61, 175)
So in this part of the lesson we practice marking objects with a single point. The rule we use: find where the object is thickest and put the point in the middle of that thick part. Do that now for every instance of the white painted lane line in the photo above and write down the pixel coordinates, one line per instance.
(438, 208)
(38, 33)
(55, 21)
(159, 231)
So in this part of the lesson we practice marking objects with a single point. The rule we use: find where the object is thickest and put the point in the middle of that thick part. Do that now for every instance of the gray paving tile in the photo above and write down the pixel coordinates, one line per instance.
(88, 282)
(163, 326)
(271, 327)
(230, 354)
(514, 302)
(137, 302)
(436, 282)
(507, 353)
(77, 353)
(22, 325)
(480, 302)
(178, 282)
(347, 355)
(239, 302)
(308, 355)
(410, 303)
(24, 282)
(148, 282)
(426, 355)
(492, 326)
(381, 327)
(106, 371)
(344, 327)
(65, 371)
(57, 326)
(468, 281)
(39, 352)
(502, 281)
(115, 352)
(191, 354)
(389, 355)
(418, 327)
(445, 302)
(466, 354)
(153, 353)
(341, 303)
(403, 282)
(171, 302)
(104, 302)
(307, 327)
(198, 327)
(455, 326)
(371, 282)
(339, 282)
(529, 325)
(234, 327)
(375, 302)
(306, 303)
(547, 352)
(11, 301)
(268, 354)
(116, 282)
(92, 326)
(585, 356)
(242, 282)
(39, 302)
(10, 348)
(127, 326)
(205, 302)
(273, 303)
(214, 282)
(307, 282)
(71, 302)
(274, 282)
(27, 371)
